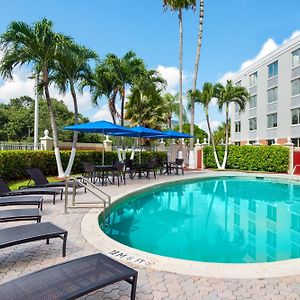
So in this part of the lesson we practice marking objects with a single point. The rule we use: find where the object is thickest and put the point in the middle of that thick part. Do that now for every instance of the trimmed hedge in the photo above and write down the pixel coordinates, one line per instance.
(250, 158)
(14, 162)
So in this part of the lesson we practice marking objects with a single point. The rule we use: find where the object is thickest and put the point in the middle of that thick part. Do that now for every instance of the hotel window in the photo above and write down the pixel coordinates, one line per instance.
(253, 79)
(271, 238)
(295, 251)
(239, 83)
(296, 142)
(236, 108)
(271, 212)
(295, 116)
(272, 120)
(295, 222)
(296, 87)
(252, 124)
(273, 69)
(251, 251)
(252, 205)
(251, 227)
(236, 219)
(272, 95)
(237, 126)
(253, 101)
(296, 58)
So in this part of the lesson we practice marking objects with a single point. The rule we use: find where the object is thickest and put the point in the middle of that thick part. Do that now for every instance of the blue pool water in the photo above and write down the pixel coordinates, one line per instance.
(224, 219)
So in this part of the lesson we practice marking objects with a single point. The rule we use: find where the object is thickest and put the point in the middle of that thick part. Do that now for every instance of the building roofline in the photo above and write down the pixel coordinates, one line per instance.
(267, 59)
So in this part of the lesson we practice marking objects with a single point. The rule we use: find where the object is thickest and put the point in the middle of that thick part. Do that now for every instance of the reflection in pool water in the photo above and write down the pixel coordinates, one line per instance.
(225, 219)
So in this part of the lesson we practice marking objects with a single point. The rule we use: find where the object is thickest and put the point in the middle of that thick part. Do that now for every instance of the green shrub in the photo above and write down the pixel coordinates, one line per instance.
(14, 162)
(250, 158)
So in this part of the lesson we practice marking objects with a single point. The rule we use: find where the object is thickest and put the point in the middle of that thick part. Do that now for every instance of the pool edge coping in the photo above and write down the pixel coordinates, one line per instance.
(97, 238)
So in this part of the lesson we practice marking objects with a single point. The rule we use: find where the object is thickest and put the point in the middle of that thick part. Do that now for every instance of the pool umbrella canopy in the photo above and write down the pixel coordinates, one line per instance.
(103, 127)
(98, 127)
(170, 134)
(141, 132)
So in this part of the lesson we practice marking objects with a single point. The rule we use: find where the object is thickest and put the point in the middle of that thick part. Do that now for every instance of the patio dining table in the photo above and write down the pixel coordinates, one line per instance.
(103, 170)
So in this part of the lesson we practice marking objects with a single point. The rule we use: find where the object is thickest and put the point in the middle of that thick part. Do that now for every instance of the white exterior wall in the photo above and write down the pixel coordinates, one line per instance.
(282, 107)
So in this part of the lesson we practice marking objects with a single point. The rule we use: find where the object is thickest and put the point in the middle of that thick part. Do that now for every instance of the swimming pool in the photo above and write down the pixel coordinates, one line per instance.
(224, 219)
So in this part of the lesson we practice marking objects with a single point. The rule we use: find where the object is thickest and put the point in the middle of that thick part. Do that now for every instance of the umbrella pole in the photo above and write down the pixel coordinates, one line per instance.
(140, 150)
(103, 150)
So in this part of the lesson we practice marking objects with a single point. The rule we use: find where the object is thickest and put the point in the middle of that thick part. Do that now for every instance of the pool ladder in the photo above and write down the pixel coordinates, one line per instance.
(293, 173)
(104, 198)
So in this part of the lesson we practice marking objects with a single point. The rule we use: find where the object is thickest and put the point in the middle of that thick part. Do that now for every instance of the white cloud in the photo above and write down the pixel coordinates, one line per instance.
(21, 85)
(269, 46)
(171, 75)
(102, 114)
(213, 124)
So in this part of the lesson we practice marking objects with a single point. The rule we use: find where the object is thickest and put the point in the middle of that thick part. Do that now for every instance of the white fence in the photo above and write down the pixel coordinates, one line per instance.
(17, 146)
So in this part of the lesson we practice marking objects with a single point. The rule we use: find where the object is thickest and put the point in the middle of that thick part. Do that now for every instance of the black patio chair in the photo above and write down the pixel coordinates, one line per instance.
(12, 215)
(176, 166)
(89, 171)
(22, 200)
(6, 191)
(30, 233)
(40, 180)
(119, 172)
(151, 167)
(70, 280)
(129, 168)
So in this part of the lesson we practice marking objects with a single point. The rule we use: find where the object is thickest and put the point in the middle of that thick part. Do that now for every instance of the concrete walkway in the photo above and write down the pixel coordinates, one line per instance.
(152, 284)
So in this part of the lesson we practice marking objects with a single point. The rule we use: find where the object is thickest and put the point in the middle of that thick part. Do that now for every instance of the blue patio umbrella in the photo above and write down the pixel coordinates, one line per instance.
(170, 134)
(103, 127)
(141, 132)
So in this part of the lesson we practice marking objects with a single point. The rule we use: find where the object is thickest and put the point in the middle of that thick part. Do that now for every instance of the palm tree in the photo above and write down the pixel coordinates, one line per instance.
(180, 5)
(104, 83)
(204, 97)
(70, 68)
(39, 45)
(226, 95)
(172, 108)
(124, 69)
(196, 67)
(145, 106)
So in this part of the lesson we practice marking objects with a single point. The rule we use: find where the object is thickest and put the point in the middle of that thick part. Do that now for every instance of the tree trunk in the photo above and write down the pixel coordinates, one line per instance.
(212, 139)
(196, 68)
(112, 106)
(75, 134)
(122, 105)
(180, 68)
(226, 137)
(53, 123)
(170, 122)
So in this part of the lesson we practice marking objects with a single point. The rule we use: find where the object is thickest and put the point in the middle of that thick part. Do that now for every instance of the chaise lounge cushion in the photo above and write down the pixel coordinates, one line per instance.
(69, 280)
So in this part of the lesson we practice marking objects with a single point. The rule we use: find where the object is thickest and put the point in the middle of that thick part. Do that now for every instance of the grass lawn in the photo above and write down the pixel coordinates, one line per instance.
(14, 185)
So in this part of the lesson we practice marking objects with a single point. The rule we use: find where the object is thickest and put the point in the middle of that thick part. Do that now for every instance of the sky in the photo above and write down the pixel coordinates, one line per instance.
(236, 33)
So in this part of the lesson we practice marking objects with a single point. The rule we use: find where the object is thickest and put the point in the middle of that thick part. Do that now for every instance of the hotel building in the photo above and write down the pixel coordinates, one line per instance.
(273, 112)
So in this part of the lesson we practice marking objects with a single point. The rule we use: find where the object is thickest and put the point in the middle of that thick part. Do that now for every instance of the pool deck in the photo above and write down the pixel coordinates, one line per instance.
(152, 283)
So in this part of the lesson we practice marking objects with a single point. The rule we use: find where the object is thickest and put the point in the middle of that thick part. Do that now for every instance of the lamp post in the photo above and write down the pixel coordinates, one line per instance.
(36, 123)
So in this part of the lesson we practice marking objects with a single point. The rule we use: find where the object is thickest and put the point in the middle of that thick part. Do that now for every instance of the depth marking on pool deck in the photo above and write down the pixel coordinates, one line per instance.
(96, 237)
(133, 259)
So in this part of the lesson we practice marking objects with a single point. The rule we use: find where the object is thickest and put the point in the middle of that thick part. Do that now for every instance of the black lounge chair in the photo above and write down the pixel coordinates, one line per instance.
(6, 191)
(12, 215)
(70, 280)
(22, 200)
(33, 232)
(40, 180)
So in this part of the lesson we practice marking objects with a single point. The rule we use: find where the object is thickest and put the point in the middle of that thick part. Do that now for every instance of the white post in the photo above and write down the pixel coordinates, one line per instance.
(36, 123)
(290, 145)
